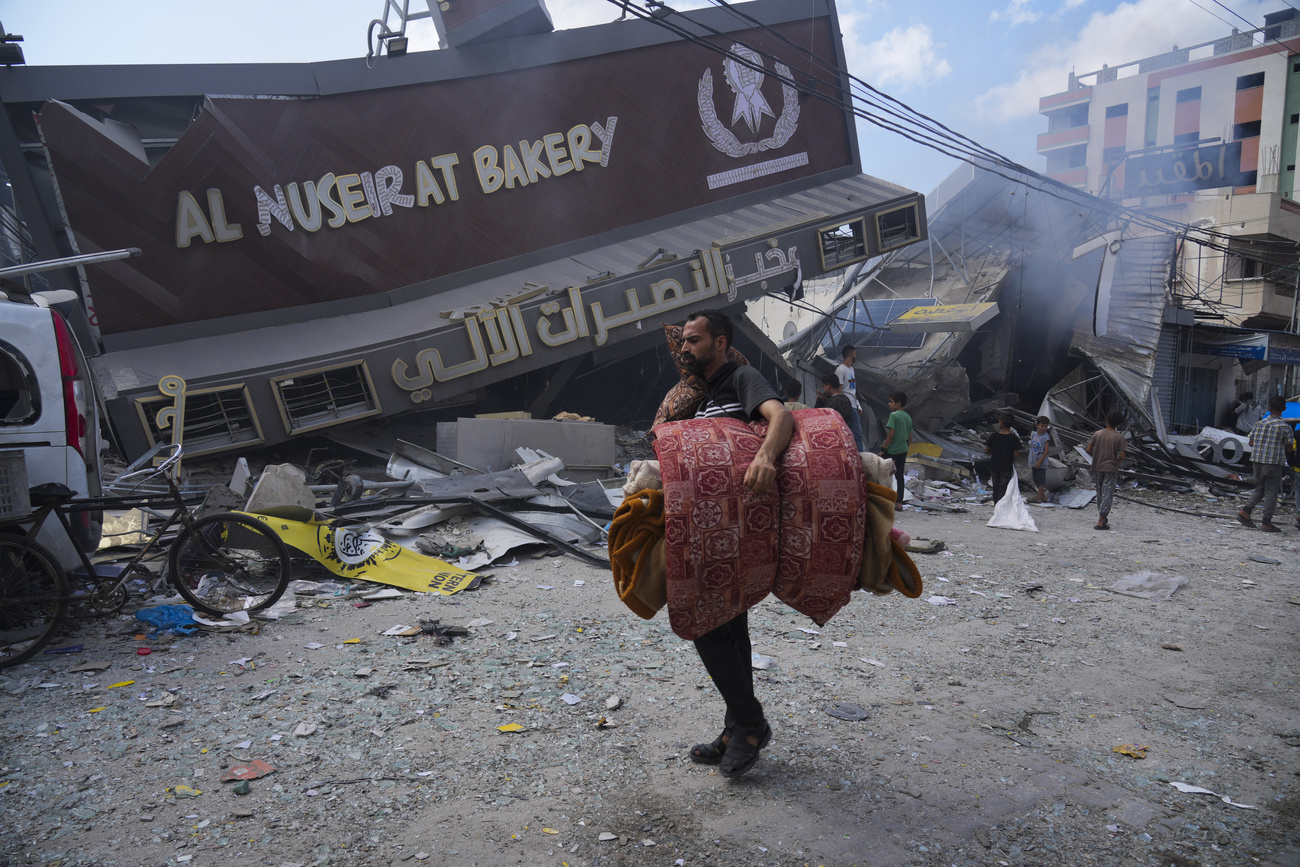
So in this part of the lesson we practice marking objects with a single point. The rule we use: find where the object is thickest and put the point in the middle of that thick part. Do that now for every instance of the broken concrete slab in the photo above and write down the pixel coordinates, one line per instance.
(280, 485)
(240, 478)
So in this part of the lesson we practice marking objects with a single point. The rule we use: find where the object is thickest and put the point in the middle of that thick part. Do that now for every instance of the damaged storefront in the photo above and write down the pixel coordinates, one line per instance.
(1043, 301)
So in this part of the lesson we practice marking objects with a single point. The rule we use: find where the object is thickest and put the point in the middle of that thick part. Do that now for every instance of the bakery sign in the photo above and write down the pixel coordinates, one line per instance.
(334, 200)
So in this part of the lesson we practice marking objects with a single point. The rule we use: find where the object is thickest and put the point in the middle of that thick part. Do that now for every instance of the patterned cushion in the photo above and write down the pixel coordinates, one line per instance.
(727, 548)
(686, 396)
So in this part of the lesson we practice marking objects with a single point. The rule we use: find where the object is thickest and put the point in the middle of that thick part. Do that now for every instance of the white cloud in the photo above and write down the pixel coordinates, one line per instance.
(1130, 32)
(1017, 12)
(904, 56)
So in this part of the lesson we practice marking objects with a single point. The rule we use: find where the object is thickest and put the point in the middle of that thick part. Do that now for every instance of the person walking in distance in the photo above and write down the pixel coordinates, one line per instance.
(1107, 449)
(739, 392)
(849, 387)
(1271, 442)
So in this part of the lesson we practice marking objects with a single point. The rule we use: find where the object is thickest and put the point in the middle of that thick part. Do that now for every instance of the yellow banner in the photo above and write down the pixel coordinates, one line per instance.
(353, 552)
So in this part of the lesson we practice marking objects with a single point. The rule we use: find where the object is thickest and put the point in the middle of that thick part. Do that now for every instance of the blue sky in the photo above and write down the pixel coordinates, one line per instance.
(978, 67)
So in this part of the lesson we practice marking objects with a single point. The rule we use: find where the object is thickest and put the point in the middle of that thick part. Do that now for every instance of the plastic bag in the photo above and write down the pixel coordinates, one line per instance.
(1011, 513)
(176, 619)
(1149, 585)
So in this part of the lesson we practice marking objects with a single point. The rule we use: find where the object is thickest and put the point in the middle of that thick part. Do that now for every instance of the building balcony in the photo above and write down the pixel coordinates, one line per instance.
(1070, 177)
(1073, 96)
(1062, 138)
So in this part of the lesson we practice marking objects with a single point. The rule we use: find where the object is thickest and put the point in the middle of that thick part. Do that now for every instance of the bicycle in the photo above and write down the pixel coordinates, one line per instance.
(220, 563)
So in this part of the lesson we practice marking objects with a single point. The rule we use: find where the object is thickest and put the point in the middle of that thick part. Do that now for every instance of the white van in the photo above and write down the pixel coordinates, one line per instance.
(49, 412)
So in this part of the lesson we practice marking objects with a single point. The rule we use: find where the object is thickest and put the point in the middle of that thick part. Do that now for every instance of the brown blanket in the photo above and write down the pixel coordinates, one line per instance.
(886, 565)
(636, 552)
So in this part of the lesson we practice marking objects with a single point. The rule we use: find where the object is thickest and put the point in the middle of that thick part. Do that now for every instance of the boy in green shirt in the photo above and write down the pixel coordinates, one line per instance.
(899, 437)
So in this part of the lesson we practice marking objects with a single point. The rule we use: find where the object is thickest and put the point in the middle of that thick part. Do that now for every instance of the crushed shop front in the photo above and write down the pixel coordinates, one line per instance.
(348, 241)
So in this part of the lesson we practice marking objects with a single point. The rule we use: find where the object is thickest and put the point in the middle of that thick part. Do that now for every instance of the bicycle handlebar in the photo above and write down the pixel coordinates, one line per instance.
(139, 472)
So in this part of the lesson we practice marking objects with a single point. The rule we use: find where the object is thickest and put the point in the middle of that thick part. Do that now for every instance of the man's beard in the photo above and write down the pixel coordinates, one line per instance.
(693, 366)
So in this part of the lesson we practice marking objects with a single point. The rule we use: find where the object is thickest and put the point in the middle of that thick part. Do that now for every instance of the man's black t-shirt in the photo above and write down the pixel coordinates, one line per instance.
(736, 391)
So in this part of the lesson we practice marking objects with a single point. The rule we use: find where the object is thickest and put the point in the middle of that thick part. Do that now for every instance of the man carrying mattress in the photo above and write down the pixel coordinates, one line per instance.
(739, 392)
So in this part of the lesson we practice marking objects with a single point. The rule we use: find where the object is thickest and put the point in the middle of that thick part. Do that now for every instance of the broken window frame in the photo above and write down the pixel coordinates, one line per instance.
(27, 401)
(147, 408)
(858, 244)
(886, 242)
(322, 419)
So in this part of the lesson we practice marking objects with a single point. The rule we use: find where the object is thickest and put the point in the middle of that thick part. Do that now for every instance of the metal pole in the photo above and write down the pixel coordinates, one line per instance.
(1295, 322)
(68, 262)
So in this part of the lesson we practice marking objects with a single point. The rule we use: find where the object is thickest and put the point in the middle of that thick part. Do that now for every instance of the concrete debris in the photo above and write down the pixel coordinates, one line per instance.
(280, 485)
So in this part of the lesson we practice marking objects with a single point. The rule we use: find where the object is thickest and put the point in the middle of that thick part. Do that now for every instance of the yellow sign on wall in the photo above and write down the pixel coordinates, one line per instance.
(944, 317)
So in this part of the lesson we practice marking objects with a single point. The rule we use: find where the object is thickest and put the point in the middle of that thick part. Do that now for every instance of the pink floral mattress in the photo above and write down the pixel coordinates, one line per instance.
(727, 548)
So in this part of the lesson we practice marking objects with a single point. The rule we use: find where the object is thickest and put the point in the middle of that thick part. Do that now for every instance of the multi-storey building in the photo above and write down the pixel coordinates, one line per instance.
(1207, 135)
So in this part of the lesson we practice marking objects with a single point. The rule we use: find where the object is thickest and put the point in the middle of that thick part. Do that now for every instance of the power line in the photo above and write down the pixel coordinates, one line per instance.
(908, 122)
(1249, 23)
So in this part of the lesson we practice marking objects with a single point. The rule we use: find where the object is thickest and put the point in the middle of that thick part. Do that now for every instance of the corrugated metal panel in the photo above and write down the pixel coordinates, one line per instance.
(1127, 352)
(1137, 298)
(1165, 371)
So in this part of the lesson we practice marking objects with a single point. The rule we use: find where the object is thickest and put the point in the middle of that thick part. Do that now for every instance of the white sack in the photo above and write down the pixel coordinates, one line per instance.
(1011, 513)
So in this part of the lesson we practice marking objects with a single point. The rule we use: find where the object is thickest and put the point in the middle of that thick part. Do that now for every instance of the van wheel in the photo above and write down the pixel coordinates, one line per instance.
(33, 599)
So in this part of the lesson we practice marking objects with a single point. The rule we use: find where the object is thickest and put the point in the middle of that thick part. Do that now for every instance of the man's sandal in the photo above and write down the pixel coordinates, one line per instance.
(741, 754)
(712, 753)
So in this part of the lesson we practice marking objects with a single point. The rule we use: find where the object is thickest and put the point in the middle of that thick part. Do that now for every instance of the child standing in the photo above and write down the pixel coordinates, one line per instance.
(1106, 448)
(1038, 444)
(898, 437)
(793, 391)
(1004, 447)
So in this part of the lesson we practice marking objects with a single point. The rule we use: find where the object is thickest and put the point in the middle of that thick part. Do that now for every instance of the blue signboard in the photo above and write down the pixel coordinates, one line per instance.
(1243, 346)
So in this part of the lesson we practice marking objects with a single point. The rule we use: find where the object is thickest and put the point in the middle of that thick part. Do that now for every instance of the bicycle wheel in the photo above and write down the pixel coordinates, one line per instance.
(229, 563)
(33, 599)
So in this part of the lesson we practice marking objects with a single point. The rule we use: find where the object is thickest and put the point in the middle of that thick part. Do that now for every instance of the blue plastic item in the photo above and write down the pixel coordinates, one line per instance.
(176, 619)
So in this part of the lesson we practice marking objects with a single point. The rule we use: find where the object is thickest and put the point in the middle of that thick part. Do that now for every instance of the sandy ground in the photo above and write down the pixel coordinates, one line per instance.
(990, 739)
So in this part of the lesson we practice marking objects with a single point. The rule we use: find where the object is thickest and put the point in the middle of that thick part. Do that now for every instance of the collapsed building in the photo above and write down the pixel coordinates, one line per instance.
(1011, 292)
(500, 225)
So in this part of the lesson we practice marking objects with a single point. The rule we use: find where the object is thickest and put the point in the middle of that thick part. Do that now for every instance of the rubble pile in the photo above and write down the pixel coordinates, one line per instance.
(1061, 692)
